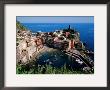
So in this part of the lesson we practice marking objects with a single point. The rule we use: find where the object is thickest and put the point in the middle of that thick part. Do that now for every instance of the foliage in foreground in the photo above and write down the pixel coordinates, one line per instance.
(46, 69)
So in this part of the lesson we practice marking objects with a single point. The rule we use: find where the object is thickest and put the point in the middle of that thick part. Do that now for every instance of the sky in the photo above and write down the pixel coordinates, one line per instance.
(55, 19)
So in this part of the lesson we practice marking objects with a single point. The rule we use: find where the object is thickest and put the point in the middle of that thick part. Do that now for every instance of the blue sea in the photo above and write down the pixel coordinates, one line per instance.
(86, 30)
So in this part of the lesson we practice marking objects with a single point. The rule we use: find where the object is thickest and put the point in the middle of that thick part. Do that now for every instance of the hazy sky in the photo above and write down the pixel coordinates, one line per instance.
(55, 19)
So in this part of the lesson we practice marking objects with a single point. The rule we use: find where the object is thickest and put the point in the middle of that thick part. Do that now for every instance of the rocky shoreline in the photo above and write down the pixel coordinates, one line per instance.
(30, 46)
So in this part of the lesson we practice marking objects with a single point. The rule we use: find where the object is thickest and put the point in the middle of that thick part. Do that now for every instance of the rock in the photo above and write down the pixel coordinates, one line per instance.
(24, 51)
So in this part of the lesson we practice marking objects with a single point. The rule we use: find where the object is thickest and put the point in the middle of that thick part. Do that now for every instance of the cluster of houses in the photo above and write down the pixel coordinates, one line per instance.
(28, 42)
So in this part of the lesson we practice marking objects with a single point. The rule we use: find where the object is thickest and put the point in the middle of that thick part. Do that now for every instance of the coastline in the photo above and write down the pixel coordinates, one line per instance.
(85, 36)
(61, 45)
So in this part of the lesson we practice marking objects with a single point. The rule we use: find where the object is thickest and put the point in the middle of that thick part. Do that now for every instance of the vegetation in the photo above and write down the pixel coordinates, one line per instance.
(47, 69)
(20, 26)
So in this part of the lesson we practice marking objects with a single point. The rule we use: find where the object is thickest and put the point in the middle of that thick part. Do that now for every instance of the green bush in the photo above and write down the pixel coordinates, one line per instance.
(46, 69)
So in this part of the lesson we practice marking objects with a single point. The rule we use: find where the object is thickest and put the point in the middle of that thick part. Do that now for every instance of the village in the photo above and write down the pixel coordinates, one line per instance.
(29, 45)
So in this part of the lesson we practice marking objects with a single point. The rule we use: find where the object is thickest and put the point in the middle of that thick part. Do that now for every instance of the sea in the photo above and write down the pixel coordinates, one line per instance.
(86, 30)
